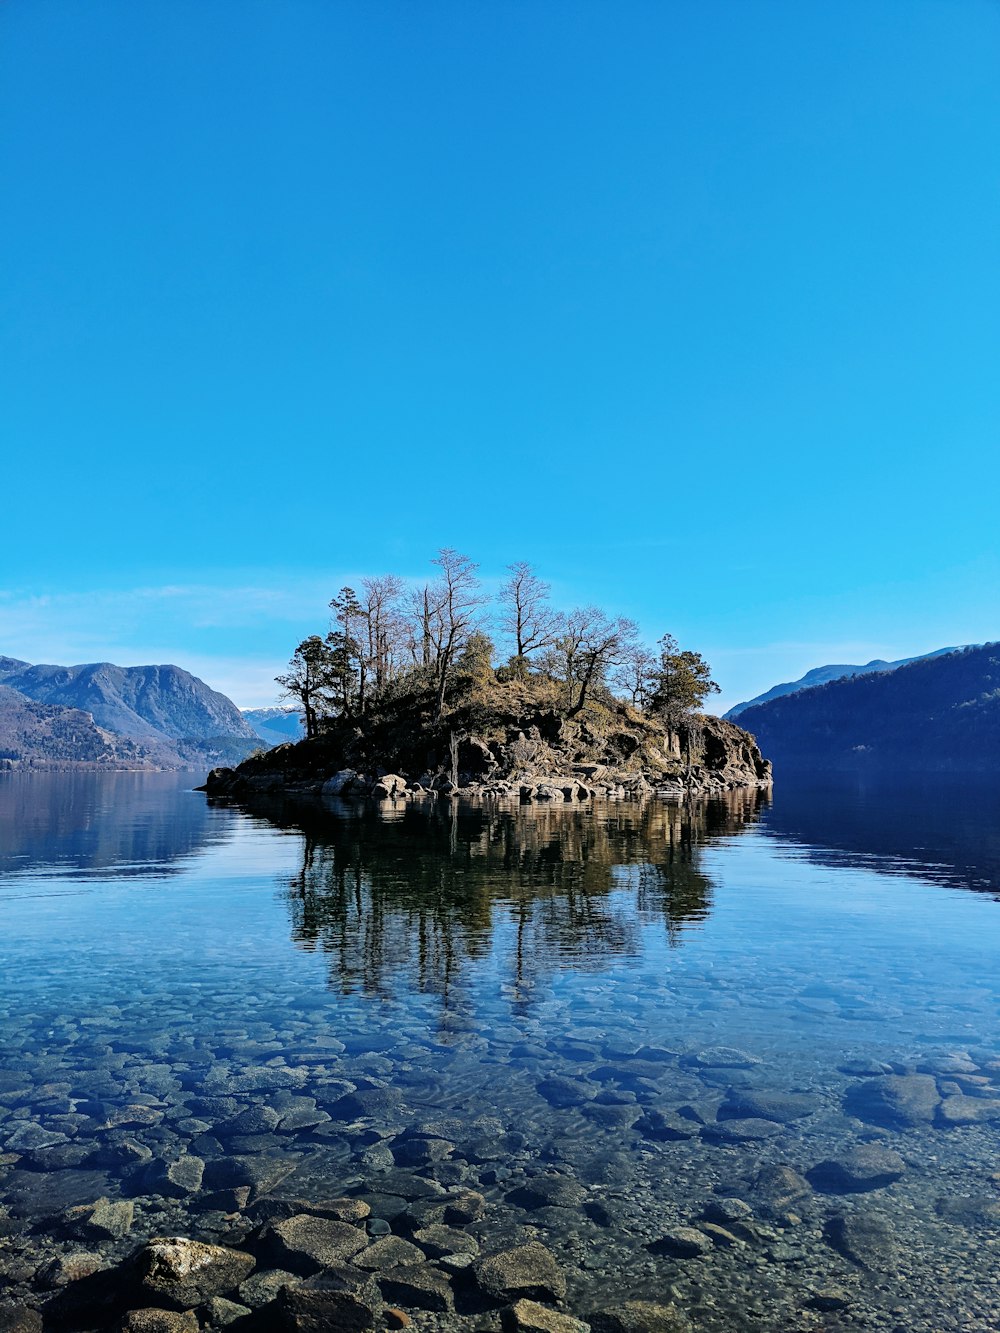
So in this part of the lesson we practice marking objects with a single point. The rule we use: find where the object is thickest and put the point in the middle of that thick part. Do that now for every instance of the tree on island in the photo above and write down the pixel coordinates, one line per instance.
(310, 680)
(432, 646)
(681, 682)
(527, 617)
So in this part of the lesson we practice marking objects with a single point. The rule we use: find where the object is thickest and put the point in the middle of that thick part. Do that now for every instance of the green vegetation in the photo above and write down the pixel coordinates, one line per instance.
(431, 651)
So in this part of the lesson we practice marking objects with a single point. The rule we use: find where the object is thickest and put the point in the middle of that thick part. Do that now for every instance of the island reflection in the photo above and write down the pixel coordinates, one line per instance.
(422, 890)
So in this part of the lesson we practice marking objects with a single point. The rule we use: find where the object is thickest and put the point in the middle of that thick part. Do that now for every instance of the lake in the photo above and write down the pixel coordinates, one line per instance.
(741, 1057)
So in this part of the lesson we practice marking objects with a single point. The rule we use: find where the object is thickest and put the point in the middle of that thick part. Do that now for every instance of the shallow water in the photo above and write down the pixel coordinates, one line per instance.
(542, 993)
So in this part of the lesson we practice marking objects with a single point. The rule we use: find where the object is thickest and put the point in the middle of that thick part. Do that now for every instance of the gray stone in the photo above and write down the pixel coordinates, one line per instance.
(181, 1273)
(550, 1191)
(67, 1268)
(721, 1057)
(418, 1286)
(749, 1130)
(259, 1173)
(437, 1241)
(221, 1313)
(305, 1243)
(970, 1210)
(867, 1166)
(29, 1136)
(159, 1321)
(782, 1107)
(961, 1110)
(666, 1126)
(777, 1188)
(895, 1100)
(682, 1243)
(563, 1092)
(639, 1317)
(264, 1286)
(175, 1179)
(367, 1102)
(530, 1317)
(865, 1240)
(341, 1298)
(389, 1252)
(17, 1318)
(103, 1220)
(524, 1270)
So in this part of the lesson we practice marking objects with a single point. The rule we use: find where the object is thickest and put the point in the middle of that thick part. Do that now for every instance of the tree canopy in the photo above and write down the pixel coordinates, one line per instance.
(437, 640)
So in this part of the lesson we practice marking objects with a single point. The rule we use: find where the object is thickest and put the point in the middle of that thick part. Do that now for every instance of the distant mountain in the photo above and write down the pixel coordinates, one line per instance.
(277, 725)
(937, 714)
(824, 674)
(98, 713)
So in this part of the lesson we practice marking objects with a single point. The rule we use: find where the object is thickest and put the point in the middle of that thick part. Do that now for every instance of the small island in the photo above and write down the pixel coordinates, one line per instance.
(408, 697)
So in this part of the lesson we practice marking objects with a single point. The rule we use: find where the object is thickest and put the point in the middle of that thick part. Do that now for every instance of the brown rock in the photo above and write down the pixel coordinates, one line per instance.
(525, 1270)
(305, 1243)
(182, 1273)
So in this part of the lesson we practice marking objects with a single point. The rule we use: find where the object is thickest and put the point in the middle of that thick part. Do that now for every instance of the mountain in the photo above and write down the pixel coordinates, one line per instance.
(276, 726)
(937, 714)
(824, 674)
(99, 713)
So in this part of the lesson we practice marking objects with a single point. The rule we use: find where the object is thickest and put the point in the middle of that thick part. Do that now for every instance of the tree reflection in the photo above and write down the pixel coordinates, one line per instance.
(418, 892)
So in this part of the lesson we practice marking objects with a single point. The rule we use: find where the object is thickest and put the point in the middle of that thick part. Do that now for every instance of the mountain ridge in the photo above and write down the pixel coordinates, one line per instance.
(824, 675)
(937, 714)
(98, 713)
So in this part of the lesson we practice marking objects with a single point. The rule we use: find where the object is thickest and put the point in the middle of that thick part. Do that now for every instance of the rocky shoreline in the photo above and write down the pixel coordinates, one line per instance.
(706, 759)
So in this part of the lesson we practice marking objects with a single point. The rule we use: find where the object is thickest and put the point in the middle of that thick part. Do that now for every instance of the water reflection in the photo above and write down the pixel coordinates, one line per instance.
(421, 890)
(941, 828)
(84, 823)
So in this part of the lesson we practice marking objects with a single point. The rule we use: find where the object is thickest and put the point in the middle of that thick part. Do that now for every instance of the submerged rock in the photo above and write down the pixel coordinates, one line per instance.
(524, 1270)
(418, 1286)
(530, 1317)
(865, 1240)
(895, 1100)
(639, 1317)
(305, 1243)
(182, 1273)
(152, 1320)
(867, 1166)
(341, 1298)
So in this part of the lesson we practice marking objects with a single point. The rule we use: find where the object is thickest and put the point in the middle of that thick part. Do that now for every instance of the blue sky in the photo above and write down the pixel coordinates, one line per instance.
(696, 306)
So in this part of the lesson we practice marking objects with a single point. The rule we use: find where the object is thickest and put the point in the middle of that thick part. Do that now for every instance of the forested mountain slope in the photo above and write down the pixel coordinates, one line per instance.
(938, 714)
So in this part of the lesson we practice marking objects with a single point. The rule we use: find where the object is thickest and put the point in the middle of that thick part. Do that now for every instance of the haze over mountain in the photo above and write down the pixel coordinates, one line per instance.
(276, 725)
(99, 713)
(940, 713)
(822, 675)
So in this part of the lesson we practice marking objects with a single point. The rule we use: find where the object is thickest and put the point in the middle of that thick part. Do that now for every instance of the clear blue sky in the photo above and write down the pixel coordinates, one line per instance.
(695, 305)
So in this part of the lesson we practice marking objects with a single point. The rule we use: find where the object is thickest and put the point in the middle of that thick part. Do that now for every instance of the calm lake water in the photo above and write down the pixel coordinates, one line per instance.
(774, 1021)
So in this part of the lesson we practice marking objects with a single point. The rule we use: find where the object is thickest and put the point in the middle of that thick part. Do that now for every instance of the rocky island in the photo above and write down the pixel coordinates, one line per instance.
(405, 699)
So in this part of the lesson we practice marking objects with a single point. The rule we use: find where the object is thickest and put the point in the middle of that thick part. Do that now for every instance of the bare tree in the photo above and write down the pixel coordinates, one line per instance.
(591, 643)
(449, 612)
(527, 617)
(385, 628)
(635, 674)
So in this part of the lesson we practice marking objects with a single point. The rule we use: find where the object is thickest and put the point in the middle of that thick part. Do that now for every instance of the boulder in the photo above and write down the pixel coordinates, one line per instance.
(341, 1298)
(865, 1240)
(524, 1270)
(896, 1101)
(639, 1317)
(530, 1317)
(417, 1286)
(868, 1166)
(159, 1321)
(339, 783)
(181, 1273)
(305, 1244)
